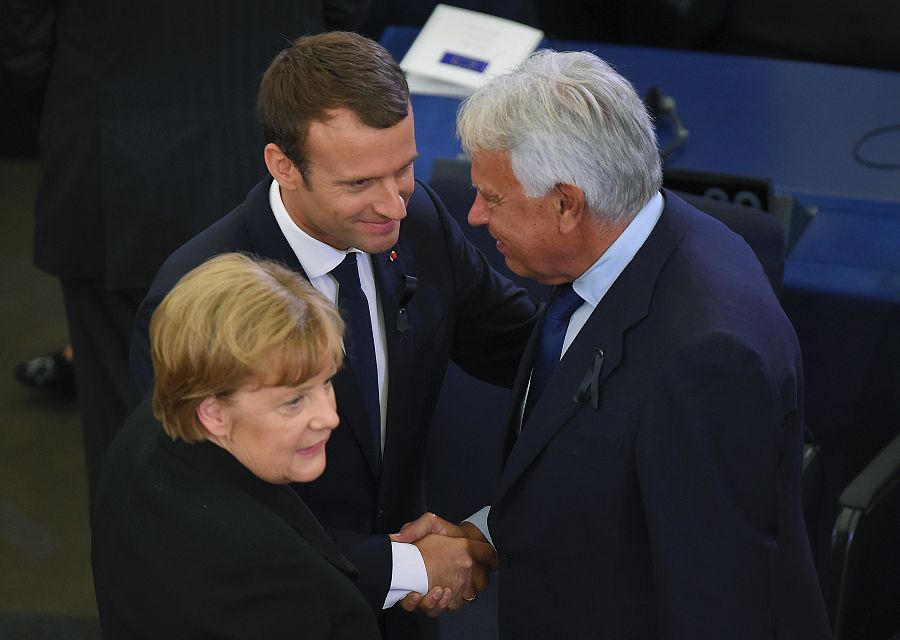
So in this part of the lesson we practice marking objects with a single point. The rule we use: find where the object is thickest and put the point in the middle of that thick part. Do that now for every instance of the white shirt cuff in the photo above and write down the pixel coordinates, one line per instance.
(409, 573)
(480, 519)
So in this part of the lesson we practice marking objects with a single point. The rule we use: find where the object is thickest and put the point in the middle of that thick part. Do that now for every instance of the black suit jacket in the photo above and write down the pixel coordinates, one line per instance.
(666, 504)
(188, 543)
(149, 129)
(459, 308)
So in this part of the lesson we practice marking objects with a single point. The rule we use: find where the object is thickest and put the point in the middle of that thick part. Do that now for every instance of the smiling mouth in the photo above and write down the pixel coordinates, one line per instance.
(381, 227)
(314, 449)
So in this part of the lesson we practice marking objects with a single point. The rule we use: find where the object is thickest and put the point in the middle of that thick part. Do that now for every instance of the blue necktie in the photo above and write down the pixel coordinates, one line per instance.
(553, 332)
(358, 341)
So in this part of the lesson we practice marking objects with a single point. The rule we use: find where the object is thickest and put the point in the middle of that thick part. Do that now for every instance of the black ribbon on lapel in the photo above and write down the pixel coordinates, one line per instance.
(591, 381)
(409, 288)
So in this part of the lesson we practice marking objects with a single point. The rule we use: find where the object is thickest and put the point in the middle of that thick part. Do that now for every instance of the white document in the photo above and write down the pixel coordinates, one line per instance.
(458, 50)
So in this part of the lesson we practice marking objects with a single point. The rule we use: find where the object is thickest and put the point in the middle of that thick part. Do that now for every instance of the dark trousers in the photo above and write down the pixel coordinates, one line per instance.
(100, 322)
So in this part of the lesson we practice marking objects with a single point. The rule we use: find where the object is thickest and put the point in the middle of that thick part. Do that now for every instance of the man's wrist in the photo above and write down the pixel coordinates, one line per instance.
(479, 521)
(409, 573)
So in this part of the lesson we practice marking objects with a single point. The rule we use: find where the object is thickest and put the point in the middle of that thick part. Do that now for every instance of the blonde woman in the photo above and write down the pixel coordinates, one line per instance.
(197, 532)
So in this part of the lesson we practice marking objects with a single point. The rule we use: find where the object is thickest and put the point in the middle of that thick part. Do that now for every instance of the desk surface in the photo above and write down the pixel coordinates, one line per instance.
(794, 122)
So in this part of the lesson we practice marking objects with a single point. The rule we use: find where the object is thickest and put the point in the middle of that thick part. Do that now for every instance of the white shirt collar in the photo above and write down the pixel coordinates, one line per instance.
(593, 284)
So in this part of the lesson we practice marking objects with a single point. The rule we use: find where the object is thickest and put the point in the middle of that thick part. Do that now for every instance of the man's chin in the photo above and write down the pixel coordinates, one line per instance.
(381, 243)
(516, 267)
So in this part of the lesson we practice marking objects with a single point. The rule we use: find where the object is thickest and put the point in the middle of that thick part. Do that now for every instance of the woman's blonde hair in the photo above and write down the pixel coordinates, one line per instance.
(234, 321)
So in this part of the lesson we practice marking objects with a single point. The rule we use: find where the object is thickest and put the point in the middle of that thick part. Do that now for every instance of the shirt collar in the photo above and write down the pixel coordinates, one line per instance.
(593, 284)
(316, 257)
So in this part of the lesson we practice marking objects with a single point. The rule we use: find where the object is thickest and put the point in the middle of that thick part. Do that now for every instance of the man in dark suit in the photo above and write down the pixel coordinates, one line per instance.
(652, 487)
(147, 135)
(340, 146)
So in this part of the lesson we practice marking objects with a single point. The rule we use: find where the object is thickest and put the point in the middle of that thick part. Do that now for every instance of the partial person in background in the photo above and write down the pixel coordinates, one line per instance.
(343, 208)
(652, 486)
(53, 372)
(147, 134)
(197, 532)
(20, 113)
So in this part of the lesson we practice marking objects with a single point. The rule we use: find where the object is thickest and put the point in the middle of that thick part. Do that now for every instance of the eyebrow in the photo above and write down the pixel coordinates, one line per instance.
(349, 181)
(486, 194)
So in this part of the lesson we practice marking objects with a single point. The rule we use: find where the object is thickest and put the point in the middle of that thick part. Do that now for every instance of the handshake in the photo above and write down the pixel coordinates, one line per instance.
(457, 560)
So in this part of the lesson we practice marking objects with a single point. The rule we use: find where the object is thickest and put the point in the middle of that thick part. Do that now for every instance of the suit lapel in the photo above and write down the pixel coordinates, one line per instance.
(353, 414)
(280, 499)
(624, 305)
(520, 385)
(286, 503)
(266, 238)
(392, 271)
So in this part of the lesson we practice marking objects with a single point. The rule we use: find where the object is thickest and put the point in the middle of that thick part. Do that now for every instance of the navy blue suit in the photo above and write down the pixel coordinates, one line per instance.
(671, 509)
(459, 308)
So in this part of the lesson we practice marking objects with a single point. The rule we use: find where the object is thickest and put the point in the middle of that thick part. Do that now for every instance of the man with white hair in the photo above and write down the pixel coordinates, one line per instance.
(652, 486)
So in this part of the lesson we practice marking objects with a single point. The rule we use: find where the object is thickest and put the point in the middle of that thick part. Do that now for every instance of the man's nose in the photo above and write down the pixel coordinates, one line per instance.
(390, 202)
(478, 213)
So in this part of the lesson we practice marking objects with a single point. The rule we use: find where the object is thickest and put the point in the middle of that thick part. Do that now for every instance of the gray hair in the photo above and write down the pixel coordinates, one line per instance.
(568, 118)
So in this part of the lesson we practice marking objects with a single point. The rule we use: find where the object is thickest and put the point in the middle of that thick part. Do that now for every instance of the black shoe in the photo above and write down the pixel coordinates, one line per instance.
(51, 372)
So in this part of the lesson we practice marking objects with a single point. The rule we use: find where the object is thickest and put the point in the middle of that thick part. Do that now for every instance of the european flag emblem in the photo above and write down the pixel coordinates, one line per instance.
(464, 62)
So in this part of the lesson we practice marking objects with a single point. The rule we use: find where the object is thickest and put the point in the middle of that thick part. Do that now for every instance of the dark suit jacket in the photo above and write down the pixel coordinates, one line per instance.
(188, 543)
(459, 308)
(149, 129)
(672, 509)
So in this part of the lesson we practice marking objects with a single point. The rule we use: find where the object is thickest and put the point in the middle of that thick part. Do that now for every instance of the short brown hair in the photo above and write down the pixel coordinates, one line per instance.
(319, 73)
(233, 321)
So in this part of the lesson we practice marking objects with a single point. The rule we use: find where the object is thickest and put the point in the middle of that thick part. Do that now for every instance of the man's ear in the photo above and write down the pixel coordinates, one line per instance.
(281, 167)
(571, 207)
(213, 417)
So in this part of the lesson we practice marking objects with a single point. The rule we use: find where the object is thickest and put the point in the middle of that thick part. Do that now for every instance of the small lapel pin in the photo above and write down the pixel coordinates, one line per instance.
(392, 256)
(590, 384)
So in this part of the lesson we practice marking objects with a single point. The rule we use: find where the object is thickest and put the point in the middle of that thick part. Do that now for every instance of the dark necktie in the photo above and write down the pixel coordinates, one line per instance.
(358, 341)
(553, 333)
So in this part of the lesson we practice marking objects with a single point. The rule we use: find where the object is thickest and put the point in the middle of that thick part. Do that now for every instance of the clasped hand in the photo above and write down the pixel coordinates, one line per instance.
(457, 560)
